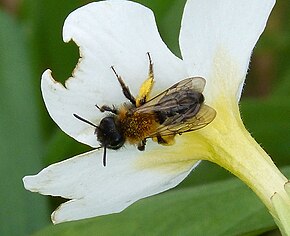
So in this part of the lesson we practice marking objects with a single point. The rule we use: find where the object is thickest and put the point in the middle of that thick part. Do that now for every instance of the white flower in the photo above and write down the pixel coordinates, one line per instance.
(216, 40)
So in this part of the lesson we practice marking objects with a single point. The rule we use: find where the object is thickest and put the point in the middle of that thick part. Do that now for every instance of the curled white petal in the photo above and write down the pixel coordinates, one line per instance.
(96, 190)
(219, 35)
(108, 33)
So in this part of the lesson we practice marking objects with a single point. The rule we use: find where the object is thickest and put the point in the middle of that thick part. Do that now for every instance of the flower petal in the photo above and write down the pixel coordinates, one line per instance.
(96, 190)
(217, 38)
(109, 33)
(281, 204)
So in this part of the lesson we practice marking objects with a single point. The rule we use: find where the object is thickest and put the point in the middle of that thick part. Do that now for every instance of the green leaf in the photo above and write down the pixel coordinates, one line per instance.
(268, 122)
(45, 19)
(168, 16)
(20, 138)
(222, 208)
(281, 91)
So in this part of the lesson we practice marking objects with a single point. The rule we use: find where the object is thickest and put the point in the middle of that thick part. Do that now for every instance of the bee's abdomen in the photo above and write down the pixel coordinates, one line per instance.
(185, 104)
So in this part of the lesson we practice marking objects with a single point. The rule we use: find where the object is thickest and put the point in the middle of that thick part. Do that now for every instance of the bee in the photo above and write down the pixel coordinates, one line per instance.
(176, 110)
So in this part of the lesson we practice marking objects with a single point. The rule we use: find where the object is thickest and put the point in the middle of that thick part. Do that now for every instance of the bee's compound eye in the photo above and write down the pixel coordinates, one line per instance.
(116, 141)
(109, 133)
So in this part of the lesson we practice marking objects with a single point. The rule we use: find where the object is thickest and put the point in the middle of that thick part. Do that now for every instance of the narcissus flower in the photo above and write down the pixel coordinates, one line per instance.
(216, 41)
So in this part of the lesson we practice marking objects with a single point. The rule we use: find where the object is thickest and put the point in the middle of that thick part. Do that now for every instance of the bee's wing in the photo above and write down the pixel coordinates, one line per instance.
(180, 123)
(194, 83)
(195, 118)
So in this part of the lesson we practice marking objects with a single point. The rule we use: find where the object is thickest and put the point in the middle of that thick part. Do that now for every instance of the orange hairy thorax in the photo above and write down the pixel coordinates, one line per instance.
(136, 126)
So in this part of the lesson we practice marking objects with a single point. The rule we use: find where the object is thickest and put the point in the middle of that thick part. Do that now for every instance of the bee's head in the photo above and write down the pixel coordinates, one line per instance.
(109, 134)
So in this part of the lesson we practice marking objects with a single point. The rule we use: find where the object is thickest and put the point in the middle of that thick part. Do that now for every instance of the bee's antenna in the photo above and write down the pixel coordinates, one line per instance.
(104, 155)
(149, 57)
(84, 120)
(90, 123)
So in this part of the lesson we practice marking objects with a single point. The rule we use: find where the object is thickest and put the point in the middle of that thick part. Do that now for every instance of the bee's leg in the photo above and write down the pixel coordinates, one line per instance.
(147, 85)
(107, 108)
(141, 145)
(165, 140)
(125, 89)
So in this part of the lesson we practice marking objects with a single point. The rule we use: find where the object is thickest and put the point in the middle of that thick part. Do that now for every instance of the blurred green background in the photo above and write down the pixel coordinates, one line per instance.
(30, 42)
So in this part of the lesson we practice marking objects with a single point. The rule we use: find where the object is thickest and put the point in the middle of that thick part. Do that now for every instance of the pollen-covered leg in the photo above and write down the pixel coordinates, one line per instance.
(147, 85)
(125, 88)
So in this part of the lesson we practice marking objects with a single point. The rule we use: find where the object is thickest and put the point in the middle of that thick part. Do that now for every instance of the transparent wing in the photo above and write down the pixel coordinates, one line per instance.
(195, 84)
(186, 122)
(180, 108)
